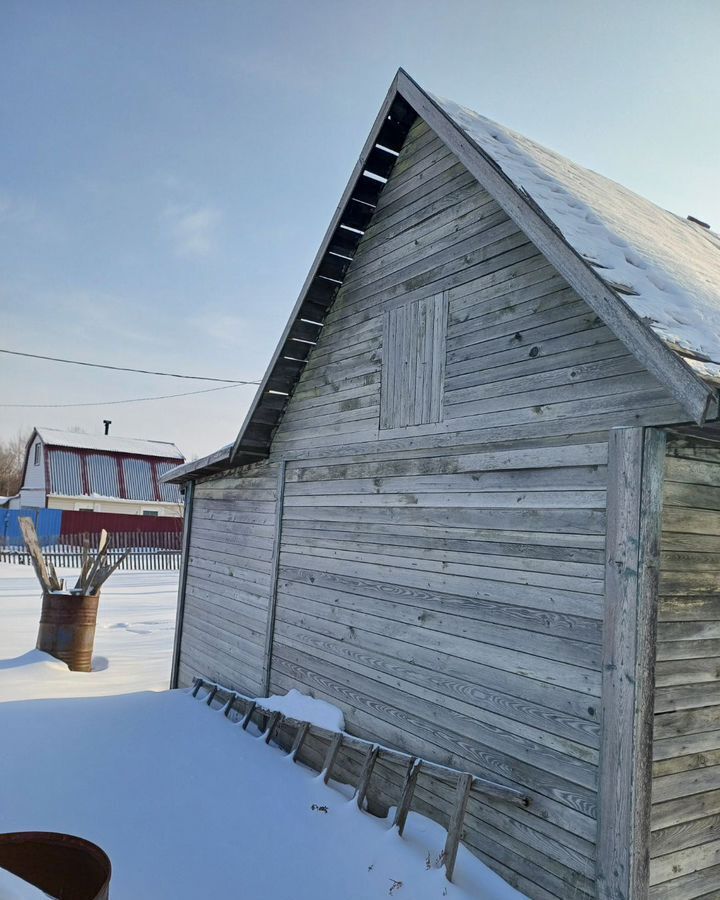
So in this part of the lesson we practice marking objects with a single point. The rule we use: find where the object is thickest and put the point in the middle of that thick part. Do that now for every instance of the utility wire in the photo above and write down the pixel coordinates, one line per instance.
(226, 387)
(77, 362)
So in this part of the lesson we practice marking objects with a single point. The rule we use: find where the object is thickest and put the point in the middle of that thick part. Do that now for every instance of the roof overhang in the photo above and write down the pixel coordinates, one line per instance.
(200, 468)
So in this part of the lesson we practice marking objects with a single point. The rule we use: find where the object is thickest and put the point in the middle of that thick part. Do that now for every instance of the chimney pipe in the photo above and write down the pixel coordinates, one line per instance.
(107, 423)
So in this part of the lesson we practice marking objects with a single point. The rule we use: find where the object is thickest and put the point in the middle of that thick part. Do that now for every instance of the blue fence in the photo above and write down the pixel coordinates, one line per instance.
(48, 523)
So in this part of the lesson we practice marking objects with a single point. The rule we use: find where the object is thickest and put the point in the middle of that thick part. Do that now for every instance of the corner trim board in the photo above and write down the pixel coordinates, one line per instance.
(275, 569)
(182, 583)
(635, 483)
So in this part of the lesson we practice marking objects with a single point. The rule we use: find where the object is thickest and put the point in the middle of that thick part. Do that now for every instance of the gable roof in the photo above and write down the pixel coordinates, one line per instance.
(653, 278)
(54, 437)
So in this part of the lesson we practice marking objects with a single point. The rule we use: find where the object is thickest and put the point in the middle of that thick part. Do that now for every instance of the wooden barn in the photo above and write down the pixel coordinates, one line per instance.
(476, 504)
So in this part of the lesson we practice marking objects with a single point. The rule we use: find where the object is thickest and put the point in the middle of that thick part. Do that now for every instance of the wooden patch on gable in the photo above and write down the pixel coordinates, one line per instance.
(413, 370)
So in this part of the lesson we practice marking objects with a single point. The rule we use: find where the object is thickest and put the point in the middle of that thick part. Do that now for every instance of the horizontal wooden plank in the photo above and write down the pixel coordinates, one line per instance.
(685, 809)
(684, 862)
(513, 593)
(421, 736)
(447, 562)
(692, 696)
(702, 885)
(444, 629)
(417, 605)
(688, 834)
(517, 662)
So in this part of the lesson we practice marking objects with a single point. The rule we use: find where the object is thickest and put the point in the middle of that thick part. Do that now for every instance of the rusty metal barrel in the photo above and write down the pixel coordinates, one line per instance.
(59, 864)
(67, 628)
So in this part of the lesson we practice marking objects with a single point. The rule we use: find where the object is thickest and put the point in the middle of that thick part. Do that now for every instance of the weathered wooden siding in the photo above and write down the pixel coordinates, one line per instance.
(685, 843)
(452, 607)
(443, 583)
(228, 577)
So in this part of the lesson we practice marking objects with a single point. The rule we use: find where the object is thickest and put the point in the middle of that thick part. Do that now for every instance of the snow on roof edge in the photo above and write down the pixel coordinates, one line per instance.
(665, 268)
(55, 437)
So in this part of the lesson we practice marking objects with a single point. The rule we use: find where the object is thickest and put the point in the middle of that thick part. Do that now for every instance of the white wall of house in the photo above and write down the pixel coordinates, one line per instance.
(115, 505)
(33, 490)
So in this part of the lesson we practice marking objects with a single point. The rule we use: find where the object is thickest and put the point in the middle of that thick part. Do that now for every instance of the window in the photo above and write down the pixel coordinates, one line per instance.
(150, 512)
(37, 454)
(413, 368)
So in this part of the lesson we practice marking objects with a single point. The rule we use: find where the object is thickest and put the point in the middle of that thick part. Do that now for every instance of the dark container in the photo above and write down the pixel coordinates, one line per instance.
(67, 628)
(63, 866)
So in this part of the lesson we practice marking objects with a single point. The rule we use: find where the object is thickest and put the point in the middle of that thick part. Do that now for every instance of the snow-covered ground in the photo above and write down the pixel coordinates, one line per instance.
(133, 641)
(186, 804)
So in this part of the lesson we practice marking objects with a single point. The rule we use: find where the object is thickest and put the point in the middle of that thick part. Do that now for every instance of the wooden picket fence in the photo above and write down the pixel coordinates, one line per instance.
(149, 551)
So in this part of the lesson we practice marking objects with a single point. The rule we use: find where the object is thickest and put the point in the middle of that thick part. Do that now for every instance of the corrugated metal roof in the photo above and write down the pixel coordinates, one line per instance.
(54, 437)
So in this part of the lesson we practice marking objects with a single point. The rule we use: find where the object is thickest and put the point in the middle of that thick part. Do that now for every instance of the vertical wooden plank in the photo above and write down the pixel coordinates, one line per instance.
(274, 569)
(392, 368)
(422, 360)
(618, 663)
(401, 349)
(272, 727)
(412, 361)
(403, 807)
(387, 373)
(331, 755)
(653, 480)
(634, 510)
(247, 718)
(211, 696)
(438, 357)
(455, 826)
(229, 705)
(300, 736)
(187, 525)
(366, 775)
(427, 361)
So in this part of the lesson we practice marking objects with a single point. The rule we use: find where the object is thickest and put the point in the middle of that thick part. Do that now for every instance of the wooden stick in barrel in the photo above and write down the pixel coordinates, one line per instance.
(27, 526)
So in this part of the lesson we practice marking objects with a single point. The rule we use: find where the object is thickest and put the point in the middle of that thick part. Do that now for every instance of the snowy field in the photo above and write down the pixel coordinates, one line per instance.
(133, 641)
(186, 804)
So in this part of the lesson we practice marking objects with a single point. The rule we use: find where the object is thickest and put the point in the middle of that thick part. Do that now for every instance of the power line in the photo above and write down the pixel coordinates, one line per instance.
(77, 362)
(226, 387)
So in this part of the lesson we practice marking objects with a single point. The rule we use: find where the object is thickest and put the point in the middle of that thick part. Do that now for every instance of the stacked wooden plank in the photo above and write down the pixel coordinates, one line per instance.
(95, 570)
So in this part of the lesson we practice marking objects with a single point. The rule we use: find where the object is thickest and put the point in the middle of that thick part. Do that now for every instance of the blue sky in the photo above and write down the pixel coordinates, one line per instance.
(168, 169)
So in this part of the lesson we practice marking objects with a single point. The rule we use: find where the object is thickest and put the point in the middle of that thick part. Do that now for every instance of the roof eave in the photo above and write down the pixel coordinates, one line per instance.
(214, 462)
(259, 444)
(126, 453)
